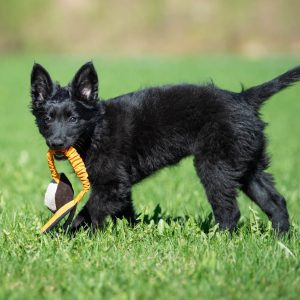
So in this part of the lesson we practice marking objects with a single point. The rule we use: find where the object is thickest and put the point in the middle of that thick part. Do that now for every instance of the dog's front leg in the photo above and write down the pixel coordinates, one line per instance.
(105, 200)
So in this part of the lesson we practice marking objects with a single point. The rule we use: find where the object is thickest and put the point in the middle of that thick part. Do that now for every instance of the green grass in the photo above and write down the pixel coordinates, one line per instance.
(174, 253)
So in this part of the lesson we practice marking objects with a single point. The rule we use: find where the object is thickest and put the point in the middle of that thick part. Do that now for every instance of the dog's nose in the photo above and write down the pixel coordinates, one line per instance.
(56, 144)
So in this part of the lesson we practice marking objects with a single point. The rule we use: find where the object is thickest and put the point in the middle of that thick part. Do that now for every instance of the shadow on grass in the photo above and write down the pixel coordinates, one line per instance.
(205, 224)
(157, 215)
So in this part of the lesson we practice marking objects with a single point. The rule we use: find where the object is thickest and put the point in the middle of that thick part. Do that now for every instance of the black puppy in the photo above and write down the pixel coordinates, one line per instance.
(125, 139)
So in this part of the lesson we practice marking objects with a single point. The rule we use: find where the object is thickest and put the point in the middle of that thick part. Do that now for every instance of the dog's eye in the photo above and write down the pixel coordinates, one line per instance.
(72, 119)
(47, 119)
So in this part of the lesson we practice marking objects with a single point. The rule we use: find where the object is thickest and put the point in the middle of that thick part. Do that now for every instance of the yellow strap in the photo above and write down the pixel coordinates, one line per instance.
(52, 168)
(58, 215)
(79, 167)
(75, 161)
(80, 170)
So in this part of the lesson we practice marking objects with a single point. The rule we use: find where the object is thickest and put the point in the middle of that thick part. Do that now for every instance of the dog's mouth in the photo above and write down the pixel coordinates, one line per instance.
(60, 155)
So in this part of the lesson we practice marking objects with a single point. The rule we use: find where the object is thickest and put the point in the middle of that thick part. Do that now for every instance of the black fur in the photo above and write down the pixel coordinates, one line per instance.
(125, 139)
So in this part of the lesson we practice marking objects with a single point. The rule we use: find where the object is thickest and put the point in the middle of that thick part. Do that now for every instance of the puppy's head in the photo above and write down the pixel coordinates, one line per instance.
(64, 114)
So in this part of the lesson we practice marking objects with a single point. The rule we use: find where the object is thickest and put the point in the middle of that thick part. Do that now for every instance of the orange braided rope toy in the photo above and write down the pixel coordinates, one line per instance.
(80, 170)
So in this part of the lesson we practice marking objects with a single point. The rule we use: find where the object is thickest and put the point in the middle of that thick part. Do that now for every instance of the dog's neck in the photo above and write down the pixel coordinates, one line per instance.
(83, 143)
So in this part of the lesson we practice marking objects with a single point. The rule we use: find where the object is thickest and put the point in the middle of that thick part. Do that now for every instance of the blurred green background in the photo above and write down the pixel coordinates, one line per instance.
(256, 27)
(133, 44)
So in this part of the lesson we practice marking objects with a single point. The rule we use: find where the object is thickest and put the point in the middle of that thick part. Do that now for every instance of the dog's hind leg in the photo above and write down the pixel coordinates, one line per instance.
(221, 183)
(260, 188)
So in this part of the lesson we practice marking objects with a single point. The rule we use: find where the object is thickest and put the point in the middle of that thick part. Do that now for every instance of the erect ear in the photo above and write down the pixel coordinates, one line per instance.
(85, 84)
(41, 84)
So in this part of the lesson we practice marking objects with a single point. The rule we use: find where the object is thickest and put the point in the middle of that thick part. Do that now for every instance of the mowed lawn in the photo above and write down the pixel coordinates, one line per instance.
(174, 252)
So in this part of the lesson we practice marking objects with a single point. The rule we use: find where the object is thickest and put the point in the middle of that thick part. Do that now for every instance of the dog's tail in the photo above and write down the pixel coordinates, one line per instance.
(257, 95)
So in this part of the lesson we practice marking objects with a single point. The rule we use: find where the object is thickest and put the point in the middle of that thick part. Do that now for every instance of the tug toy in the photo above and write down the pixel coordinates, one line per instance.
(59, 194)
